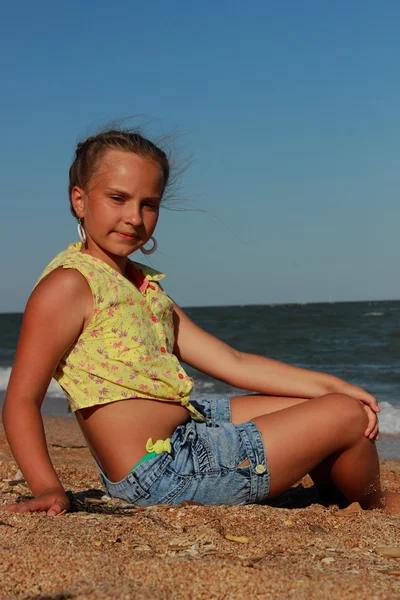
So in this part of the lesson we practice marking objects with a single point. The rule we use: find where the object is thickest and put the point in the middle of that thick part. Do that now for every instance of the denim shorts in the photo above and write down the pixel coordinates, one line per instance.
(203, 465)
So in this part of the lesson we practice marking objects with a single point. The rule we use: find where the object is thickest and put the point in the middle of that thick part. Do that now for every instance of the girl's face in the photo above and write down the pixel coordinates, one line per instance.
(120, 205)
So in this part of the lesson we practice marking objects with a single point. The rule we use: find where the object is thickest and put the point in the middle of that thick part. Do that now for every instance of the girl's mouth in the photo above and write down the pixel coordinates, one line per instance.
(127, 236)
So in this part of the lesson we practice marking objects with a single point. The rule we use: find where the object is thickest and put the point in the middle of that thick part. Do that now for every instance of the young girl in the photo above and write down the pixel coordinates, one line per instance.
(105, 329)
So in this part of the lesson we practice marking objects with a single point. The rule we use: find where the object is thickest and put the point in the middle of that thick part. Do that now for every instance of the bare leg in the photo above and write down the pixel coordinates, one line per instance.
(331, 429)
(246, 408)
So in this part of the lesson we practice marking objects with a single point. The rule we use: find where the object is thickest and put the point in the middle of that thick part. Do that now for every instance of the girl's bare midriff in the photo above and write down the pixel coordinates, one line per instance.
(116, 433)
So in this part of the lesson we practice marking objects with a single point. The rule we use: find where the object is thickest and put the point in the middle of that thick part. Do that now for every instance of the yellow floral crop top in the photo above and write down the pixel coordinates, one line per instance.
(126, 351)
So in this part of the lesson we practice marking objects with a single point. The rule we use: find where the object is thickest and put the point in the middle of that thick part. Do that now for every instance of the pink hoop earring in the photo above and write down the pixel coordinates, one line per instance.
(81, 232)
(152, 249)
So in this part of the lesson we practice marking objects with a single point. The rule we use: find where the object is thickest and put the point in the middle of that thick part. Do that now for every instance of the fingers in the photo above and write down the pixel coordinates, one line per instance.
(373, 434)
(8, 507)
(57, 510)
(370, 400)
(34, 505)
(372, 429)
(364, 397)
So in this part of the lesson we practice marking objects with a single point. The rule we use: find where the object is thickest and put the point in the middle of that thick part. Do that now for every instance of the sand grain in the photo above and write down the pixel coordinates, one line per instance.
(296, 548)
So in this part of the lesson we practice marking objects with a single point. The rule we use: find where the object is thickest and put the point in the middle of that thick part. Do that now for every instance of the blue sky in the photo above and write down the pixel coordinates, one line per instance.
(290, 111)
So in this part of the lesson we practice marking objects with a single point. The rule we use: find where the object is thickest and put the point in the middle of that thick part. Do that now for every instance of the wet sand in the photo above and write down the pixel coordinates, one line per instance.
(105, 549)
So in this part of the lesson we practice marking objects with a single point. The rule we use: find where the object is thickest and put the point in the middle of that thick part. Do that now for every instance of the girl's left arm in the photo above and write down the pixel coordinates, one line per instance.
(210, 355)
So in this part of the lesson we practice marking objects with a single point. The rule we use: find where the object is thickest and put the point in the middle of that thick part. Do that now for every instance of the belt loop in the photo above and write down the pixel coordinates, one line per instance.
(190, 432)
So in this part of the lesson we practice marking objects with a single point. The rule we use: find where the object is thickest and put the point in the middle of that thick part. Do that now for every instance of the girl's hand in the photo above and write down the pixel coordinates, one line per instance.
(370, 406)
(372, 431)
(52, 501)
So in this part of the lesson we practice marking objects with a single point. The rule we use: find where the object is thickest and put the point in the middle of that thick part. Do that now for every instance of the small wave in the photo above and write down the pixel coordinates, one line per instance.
(4, 377)
(373, 314)
(389, 418)
(201, 386)
(53, 390)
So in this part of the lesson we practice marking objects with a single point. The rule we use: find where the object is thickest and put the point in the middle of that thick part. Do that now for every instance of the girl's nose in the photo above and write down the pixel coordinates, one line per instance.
(134, 216)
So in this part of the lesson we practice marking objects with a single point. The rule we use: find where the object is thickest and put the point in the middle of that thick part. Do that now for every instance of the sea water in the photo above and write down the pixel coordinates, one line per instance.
(357, 341)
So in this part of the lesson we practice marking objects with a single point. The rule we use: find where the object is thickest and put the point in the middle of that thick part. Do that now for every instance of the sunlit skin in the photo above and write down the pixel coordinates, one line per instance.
(120, 207)
(310, 422)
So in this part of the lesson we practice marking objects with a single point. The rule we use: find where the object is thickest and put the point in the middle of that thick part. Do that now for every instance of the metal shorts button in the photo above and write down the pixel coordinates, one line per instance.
(260, 469)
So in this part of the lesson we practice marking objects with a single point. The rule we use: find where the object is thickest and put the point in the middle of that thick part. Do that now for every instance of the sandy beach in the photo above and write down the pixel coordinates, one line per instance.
(106, 549)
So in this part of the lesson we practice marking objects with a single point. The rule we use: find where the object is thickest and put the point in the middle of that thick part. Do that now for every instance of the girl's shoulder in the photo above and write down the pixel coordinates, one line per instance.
(70, 272)
(70, 258)
(56, 292)
(68, 279)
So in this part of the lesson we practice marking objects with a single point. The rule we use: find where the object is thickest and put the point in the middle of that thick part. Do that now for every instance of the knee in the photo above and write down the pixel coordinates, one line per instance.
(349, 411)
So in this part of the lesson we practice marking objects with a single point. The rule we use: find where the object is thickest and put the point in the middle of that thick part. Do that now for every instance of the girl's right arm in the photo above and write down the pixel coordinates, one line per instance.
(57, 312)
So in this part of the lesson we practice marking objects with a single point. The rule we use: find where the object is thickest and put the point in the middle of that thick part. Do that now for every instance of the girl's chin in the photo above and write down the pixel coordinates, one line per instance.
(119, 252)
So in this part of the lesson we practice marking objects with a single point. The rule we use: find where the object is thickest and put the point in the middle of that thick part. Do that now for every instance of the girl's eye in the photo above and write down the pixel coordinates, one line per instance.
(151, 206)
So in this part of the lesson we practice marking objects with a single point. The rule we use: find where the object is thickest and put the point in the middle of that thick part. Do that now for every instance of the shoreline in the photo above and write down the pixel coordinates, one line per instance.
(388, 444)
(111, 550)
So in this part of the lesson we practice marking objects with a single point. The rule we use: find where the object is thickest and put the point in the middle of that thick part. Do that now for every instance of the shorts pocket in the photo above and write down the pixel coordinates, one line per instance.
(166, 489)
(195, 455)
(204, 460)
(127, 489)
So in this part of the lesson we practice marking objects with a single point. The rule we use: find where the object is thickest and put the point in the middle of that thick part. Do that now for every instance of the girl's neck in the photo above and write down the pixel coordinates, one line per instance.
(118, 263)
